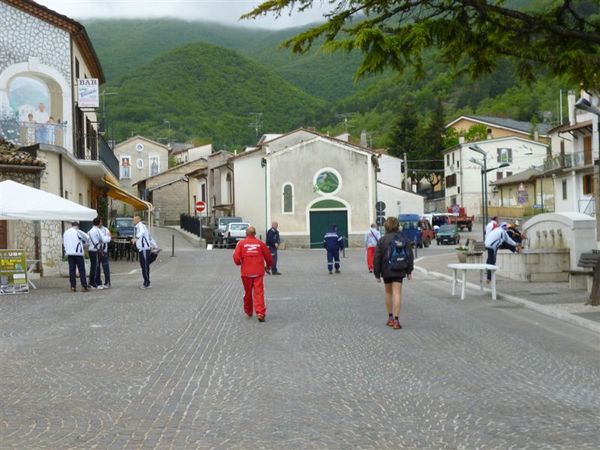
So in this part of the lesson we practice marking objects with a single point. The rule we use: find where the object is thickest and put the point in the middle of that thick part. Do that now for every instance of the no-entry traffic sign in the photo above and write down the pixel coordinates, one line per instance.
(200, 206)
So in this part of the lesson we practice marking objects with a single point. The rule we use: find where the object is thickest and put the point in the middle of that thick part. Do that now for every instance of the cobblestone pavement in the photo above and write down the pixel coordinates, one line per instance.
(180, 366)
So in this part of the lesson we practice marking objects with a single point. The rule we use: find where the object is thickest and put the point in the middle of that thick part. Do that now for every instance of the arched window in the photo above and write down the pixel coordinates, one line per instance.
(229, 189)
(288, 198)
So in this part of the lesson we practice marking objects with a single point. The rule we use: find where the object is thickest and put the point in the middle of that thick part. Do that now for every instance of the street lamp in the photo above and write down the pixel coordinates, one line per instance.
(168, 122)
(484, 171)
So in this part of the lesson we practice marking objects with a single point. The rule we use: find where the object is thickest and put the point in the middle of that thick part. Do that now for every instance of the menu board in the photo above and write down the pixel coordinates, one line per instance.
(13, 272)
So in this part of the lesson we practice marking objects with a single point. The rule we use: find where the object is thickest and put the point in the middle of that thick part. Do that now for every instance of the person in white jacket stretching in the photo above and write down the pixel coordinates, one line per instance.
(74, 240)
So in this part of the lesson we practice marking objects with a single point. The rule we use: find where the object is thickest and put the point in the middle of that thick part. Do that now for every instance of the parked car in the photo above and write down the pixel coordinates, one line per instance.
(123, 227)
(448, 234)
(221, 227)
(236, 231)
(411, 228)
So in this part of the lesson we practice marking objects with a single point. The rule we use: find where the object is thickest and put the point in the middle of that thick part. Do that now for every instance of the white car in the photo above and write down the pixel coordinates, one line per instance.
(236, 231)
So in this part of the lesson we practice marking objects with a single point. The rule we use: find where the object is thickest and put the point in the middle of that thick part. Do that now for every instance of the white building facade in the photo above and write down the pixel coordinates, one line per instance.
(463, 177)
(307, 182)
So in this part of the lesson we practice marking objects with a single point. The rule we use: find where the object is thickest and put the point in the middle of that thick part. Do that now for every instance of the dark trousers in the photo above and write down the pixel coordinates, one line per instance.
(103, 261)
(145, 265)
(491, 259)
(94, 269)
(76, 262)
(333, 258)
(273, 252)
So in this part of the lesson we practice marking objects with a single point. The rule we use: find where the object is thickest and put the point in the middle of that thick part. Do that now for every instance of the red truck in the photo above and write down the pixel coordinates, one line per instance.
(458, 217)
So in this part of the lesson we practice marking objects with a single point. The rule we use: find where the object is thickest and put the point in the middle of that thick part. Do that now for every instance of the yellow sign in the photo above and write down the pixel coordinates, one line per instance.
(13, 272)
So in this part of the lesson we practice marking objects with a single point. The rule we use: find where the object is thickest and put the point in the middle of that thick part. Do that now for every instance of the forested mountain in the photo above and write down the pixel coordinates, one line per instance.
(208, 93)
(141, 57)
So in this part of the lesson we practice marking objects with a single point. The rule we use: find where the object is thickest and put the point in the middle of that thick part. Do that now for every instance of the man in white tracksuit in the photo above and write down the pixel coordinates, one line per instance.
(74, 240)
(493, 240)
(142, 241)
(96, 251)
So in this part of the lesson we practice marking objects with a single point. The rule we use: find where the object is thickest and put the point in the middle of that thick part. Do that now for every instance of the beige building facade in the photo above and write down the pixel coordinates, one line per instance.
(43, 58)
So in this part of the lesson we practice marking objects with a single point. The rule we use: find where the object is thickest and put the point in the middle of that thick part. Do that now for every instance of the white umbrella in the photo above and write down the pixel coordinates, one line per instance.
(20, 202)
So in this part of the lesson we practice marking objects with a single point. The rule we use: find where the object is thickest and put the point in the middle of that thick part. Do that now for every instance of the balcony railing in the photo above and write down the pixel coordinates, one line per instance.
(108, 157)
(569, 161)
(89, 147)
(30, 133)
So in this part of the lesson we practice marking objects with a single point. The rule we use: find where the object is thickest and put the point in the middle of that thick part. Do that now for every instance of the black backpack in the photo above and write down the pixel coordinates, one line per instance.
(397, 255)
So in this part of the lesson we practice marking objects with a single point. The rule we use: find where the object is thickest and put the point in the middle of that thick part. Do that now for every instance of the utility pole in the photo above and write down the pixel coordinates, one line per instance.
(257, 123)
(405, 173)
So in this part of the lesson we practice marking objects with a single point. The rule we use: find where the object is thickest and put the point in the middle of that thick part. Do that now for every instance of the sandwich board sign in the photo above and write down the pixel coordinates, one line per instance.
(13, 272)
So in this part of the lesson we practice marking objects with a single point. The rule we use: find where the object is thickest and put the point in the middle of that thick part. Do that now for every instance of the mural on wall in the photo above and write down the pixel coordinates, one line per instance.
(153, 165)
(125, 167)
(326, 182)
(30, 99)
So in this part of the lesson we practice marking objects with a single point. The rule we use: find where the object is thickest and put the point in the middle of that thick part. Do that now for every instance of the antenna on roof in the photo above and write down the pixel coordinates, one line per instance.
(257, 123)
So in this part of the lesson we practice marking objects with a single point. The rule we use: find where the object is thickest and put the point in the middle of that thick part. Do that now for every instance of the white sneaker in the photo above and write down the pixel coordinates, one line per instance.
(100, 287)
(107, 286)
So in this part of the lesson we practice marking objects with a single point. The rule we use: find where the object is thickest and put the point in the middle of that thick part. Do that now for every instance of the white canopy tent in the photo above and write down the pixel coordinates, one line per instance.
(20, 202)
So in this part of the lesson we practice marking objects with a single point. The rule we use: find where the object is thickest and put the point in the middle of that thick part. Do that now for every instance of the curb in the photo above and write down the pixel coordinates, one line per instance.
(543, 309)
(190, 238)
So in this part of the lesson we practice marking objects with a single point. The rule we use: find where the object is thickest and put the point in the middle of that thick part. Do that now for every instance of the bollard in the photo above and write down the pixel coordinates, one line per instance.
(172, 245)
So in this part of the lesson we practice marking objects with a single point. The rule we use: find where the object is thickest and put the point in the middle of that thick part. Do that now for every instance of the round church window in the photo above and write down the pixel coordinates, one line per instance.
(327, 182)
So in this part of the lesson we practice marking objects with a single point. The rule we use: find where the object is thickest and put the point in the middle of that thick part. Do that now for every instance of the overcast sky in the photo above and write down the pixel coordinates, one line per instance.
(225, 11)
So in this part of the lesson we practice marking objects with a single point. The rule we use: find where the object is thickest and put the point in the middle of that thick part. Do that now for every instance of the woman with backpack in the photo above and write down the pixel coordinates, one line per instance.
(393, 262)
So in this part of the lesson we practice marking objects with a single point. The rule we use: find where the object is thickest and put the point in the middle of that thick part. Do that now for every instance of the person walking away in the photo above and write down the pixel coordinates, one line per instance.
(104, 259)
(253, 255)
(142, 243)
(492, 225)
(73, 241)
(497, 238)
(394, 261)
(95, 251)
(273, 242)
(333, 243)
(371, 239)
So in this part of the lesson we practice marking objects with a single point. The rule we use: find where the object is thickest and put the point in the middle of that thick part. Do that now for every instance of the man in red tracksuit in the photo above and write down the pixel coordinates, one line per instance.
(253, 255)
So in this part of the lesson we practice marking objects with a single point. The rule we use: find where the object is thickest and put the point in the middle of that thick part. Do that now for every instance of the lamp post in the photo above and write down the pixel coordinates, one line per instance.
(168, 122)
(484, 171)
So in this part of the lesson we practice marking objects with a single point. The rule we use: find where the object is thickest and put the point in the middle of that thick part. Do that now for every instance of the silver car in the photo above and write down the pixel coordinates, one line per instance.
(236, 231)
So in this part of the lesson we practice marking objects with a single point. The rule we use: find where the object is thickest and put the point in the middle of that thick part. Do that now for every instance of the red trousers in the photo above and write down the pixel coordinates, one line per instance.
(254, 296)
(370, 257)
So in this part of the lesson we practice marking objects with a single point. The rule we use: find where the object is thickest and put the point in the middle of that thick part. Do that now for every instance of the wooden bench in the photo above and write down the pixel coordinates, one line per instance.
(463, 268)
(589, 260)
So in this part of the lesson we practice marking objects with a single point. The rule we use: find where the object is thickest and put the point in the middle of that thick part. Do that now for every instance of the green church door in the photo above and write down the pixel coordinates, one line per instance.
(321, 221)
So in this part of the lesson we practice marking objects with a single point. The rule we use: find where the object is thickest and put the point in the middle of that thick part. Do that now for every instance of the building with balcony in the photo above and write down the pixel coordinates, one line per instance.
(575, 151)
(43, 58)
(463, 172)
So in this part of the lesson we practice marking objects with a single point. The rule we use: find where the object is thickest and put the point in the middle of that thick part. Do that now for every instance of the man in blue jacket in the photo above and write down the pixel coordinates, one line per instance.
(333, 243)
(273, 242)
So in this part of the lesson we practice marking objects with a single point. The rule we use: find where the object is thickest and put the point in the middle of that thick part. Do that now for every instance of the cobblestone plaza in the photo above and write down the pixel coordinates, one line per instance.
(180, 366)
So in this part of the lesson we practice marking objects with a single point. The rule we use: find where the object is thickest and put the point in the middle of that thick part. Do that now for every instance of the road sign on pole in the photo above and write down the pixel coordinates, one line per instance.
(200, 206)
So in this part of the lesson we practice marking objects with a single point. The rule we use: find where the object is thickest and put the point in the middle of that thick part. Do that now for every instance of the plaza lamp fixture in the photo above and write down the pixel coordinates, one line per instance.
(484, 171)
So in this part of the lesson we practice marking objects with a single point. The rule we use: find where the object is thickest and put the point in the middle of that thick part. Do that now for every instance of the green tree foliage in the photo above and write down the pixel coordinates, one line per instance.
(433, 144)
(404, 137)
(207, 91)
(561, 37)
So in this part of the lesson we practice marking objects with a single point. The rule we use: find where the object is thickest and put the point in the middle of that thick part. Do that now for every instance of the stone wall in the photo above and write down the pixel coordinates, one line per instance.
(51, 243)
(23, 36)
(22, 233)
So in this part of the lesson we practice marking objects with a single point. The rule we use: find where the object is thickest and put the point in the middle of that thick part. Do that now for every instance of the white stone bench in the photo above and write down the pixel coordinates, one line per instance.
(464, 268)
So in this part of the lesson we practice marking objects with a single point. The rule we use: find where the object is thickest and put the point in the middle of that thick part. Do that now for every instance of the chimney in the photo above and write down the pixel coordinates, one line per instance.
(571, 106)
(363, 139)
